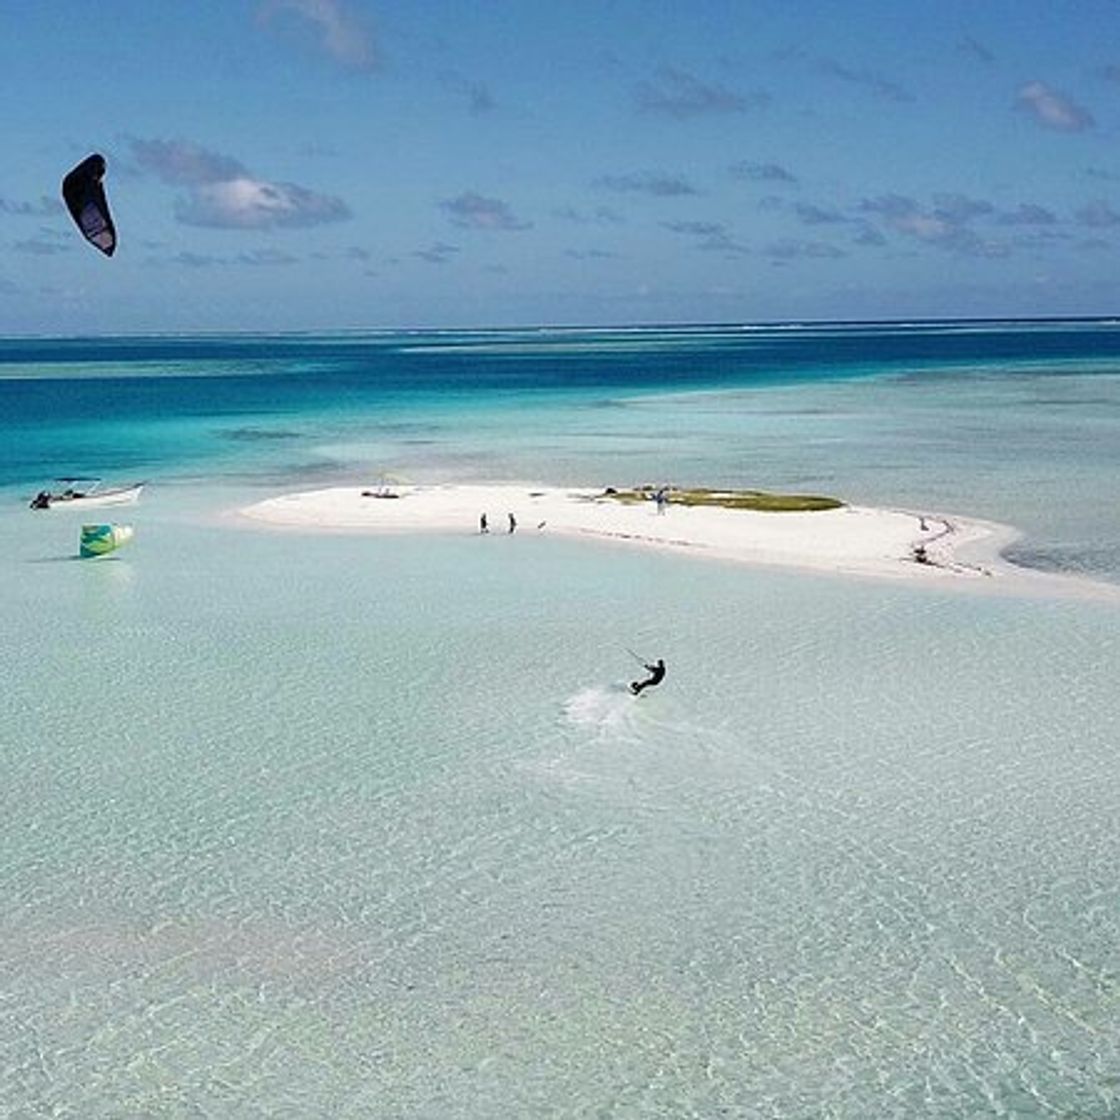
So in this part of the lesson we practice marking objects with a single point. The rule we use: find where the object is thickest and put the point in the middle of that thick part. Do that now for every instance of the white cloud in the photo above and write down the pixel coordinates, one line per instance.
(246, 203)
(946, 224)
(337, 29)
(221, 193)
(1053, 109)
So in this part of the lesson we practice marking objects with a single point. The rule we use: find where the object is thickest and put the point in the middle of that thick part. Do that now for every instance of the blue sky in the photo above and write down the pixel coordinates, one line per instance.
(321, 164)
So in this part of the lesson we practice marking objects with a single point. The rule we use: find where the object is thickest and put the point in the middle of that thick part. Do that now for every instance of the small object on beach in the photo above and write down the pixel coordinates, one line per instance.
(921, 556)
(512, 523)
(541, 524)
(483, 524)
(100, 540)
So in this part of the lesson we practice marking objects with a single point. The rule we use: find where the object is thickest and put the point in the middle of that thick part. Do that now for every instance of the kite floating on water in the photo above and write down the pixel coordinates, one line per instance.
(100, 540)
(85, 199)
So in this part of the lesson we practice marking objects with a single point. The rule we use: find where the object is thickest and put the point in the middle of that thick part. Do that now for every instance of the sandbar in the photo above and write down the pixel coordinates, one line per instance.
(851, 540)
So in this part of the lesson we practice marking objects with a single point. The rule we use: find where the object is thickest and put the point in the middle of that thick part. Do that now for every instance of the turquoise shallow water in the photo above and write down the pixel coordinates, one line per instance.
(334, 825)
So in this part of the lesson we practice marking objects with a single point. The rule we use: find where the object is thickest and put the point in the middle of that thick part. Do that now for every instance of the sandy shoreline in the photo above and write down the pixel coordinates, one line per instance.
(852, 540)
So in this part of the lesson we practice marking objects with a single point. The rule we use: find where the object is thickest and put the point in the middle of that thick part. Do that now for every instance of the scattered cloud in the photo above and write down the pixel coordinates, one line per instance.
(974, 49)
(590, 254)
(601, 215)
(264, 257)
(1027, 214)
(696, 229)
(253, 258)
(246, 203)
(712, 237)
(762, 172)
(959, 208)
(944, 225)
(1098, 215)
(1111, 73)
(222, 194)
(267, 257)
(474, 211)
(648, 182)
(437, 253)
(183, 164)
(906, 216)
(813, 215)
(950, 221)
(476, 94)
(331, 24)
(1102, 173)
(44, 208)
(1052, 109)
(41, 246)
(869, 235)
(790, 249)
(676, 93)
(197, 260)
(879, 86)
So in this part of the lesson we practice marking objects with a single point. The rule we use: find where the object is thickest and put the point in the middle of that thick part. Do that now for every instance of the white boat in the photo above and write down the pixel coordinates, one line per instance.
(86, 493)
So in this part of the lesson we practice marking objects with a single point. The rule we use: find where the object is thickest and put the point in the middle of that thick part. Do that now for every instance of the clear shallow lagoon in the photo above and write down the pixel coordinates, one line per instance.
(351, 826)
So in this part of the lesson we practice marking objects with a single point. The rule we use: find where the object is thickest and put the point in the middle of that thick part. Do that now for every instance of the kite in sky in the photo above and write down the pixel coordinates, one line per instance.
(85, 199)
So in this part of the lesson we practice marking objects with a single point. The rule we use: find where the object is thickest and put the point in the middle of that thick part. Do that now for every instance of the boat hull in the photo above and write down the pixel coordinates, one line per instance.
(117, 496)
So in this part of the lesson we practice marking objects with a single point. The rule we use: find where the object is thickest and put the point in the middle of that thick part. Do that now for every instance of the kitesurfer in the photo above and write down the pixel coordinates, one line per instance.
(656, 675)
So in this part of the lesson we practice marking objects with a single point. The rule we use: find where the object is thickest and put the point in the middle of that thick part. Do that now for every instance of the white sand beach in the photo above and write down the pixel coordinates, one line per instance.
(855, 540)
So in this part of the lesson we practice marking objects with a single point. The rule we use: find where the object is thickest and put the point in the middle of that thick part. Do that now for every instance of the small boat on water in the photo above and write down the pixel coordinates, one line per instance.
(86, 493)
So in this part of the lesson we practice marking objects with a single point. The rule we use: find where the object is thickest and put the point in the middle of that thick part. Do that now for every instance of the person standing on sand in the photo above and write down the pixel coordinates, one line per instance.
(512, 523)
(483, 524)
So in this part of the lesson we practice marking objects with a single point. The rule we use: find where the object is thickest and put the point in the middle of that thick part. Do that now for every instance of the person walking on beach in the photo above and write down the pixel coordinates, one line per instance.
(656, 675)
(662, 500)
(483, 524)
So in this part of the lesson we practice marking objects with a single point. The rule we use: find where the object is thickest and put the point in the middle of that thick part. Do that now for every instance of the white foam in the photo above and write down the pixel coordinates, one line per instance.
(609, 711)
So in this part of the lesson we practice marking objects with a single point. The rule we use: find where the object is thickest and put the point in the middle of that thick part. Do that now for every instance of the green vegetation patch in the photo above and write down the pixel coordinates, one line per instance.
(731, 499)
